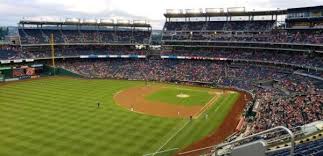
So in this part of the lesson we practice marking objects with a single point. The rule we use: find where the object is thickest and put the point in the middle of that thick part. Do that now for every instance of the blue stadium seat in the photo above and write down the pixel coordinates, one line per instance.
(310, 148)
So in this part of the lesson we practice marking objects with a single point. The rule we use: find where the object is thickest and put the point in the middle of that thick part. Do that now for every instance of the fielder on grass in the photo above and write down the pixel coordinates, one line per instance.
(98, 103)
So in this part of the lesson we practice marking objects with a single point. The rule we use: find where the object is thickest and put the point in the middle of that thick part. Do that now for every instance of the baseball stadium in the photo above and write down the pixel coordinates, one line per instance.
(212, 82)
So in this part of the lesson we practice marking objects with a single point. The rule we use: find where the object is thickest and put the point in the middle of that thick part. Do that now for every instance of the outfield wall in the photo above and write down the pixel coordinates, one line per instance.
(6, 73)
(50, 71)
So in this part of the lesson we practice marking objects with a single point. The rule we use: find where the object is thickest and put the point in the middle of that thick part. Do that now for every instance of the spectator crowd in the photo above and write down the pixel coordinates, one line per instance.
(297, 58)
(239, 31)
(293, 101)
(62, 36)
(8, 52)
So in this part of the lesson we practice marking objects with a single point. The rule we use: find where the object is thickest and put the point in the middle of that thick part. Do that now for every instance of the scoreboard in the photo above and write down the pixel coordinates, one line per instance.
(22, 71)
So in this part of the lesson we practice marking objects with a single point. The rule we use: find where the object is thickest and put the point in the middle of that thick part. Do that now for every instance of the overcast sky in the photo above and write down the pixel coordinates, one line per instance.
(11, 11)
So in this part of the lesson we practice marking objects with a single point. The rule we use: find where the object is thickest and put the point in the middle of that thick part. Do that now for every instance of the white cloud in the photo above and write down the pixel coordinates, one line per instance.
(86, 6)
(13, 10)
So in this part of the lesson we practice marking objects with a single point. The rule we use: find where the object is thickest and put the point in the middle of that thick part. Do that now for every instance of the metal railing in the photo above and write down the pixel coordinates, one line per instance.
(215, 147)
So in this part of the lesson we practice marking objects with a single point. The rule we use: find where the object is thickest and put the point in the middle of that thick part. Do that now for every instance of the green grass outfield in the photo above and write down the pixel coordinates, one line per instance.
(59, 117)
(168, 94)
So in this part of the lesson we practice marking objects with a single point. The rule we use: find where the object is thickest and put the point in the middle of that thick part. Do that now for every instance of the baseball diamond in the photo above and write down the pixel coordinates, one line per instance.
(41, 106)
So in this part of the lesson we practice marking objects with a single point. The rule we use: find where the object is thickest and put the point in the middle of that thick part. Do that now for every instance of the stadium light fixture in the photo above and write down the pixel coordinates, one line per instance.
(236, 9)
(90, 21)
(139, 22)
(51, 20)
(194, 11)
(72, 20)
(122, 21)
(107, 21)
(214, 10)
(174, 11)
(31, 19)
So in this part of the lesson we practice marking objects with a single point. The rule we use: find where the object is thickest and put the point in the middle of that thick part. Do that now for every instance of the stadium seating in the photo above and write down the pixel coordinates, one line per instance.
(259, 55)
(42, 36)
(12, 52)
(239, 31)
(248, 26)
(293, 101)
(314, 148)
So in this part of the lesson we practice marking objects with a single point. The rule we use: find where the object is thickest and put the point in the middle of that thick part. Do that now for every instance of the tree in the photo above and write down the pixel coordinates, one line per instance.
(3, 32)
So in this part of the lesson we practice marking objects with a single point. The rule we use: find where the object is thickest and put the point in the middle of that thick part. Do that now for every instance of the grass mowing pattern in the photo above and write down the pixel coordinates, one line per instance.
(59, 116)
(201, 126)
(197, 96)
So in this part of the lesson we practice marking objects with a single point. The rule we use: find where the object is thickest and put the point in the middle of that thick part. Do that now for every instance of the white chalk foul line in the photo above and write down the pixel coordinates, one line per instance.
(197, 115)
(172, 149)
(171, 138)
(158, 151)
(218, 108)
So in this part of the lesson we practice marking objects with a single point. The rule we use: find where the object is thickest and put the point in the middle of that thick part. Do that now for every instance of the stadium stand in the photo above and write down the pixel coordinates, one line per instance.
(8, 52)
(33, 32)
(314, 148)
(40, 36)
(281, 65)
(292, 101)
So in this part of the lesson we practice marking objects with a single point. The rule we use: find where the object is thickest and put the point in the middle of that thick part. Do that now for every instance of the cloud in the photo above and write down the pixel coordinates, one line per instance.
(85, 6)
(11, 11)
(294, 3)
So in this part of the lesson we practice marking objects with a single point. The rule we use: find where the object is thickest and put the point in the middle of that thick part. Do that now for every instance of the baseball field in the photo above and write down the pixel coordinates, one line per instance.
(63, 116)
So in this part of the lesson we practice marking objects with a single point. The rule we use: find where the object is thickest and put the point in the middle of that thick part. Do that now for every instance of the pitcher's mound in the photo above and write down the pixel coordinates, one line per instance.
(182, 96)
(134, 99)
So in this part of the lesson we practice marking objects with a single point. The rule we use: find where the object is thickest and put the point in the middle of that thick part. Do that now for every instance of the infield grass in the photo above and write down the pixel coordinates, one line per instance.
(202, 126)
(59, 117)
(169, 94)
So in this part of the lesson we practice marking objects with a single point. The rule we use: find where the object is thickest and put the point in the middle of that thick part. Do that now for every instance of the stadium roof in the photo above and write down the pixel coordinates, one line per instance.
(226, 14)
(305, 8)
(134, 24)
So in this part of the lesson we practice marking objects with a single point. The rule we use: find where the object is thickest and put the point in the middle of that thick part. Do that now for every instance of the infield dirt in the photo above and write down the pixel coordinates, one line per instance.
(134, 99)
(227, 128)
